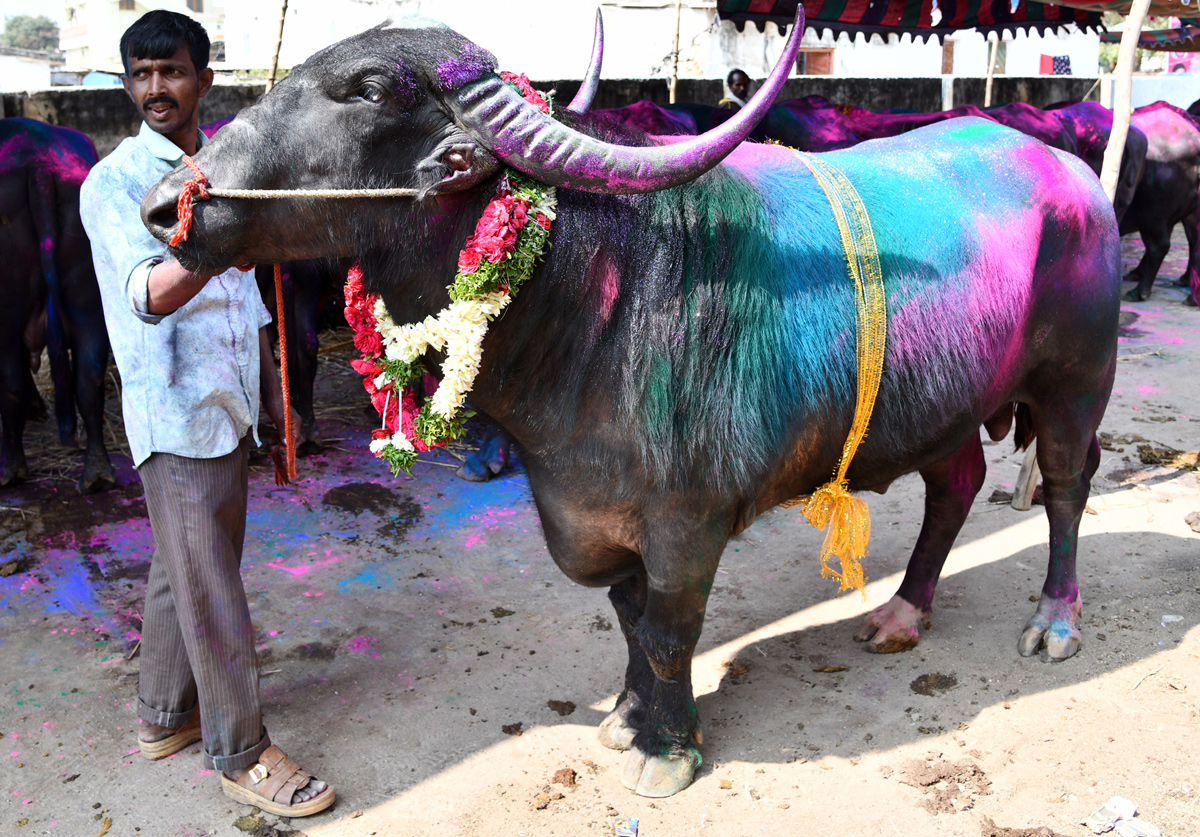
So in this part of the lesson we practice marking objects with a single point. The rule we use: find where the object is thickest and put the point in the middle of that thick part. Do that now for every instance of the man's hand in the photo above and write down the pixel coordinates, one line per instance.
(171, 286)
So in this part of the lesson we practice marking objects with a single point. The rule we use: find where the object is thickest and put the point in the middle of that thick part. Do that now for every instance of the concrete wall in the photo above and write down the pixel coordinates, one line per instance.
(1038, 91)
(107, 116)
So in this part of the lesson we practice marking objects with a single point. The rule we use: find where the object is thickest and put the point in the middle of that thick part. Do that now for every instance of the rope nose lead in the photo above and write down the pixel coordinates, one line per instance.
(197, 187)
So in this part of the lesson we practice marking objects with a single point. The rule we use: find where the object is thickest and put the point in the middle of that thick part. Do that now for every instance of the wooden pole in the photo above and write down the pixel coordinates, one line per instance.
(987, 88)
(1122, 92)
(675, 52)
(278, 44)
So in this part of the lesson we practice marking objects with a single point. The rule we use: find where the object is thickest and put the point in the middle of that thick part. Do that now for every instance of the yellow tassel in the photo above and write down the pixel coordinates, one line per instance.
(832, 505)
(849, 523)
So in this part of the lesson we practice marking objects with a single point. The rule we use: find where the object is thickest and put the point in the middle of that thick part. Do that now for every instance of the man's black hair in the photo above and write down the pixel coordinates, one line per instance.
(734, 72)
(160, 33)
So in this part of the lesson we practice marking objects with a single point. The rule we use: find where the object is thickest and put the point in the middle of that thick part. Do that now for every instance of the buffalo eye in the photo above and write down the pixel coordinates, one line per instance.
(371, 92)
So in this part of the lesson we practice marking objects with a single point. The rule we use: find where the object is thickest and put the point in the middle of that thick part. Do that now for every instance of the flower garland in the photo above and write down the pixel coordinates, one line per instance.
(501, 254)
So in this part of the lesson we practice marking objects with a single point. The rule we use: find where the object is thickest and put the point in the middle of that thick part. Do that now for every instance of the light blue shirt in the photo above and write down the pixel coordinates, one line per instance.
(189, 379)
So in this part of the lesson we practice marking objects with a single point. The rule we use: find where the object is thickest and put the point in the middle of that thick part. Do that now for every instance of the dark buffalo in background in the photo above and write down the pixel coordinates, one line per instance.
(52, 299)
(1166, 195)
(683, 357)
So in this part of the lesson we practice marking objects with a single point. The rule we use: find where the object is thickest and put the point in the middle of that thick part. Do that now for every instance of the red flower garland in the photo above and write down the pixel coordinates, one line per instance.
(399, 413)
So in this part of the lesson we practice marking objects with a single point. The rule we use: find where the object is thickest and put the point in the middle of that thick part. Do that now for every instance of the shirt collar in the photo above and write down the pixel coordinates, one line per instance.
(163, 148)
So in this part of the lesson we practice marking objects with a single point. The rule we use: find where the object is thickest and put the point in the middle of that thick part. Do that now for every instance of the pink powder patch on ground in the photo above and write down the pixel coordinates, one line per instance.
(363, 645)
(1147, 389)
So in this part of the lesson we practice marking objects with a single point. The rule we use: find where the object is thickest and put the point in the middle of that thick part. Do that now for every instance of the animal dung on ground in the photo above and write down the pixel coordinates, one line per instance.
(562, 707)
(512, 729)
(564, 777)
(830, 669)
(501, 612)
(932, 684)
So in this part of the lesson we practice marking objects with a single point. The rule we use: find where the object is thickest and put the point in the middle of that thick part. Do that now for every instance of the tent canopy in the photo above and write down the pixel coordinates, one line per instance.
(1185, 38)
(916, 17)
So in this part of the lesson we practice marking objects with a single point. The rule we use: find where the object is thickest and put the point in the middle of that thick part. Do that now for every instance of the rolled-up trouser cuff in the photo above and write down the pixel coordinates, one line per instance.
(238, 761)
(173, 720)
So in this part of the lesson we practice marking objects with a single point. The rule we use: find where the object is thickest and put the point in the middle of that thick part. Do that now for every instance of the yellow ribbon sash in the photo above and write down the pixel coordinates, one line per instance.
(832, 505)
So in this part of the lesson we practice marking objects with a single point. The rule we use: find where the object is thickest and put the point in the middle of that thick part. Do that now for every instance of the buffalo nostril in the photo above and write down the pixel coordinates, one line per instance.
(158, 211)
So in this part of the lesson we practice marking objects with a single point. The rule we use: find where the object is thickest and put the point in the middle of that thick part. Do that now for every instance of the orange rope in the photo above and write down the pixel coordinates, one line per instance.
(197, 186)
(284, 378)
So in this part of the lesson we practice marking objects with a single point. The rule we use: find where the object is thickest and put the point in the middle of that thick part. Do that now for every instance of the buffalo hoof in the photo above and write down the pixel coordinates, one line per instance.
(893, 627)
(616, 733)
(1136, 295)
(95, 483)
(310, 447)
(1183, 282)
(659, 776)
(1188, 300)
(473, 471)
(13, 474)
(1052, 627)
(491, 458)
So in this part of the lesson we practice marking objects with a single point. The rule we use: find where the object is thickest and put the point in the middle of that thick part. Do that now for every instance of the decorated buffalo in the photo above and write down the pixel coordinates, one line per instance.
(52, 300)
(1166, 195)
(683, 356)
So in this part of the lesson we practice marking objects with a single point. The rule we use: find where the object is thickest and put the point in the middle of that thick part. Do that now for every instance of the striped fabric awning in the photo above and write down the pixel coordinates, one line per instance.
(914, 17)
(1186, 38)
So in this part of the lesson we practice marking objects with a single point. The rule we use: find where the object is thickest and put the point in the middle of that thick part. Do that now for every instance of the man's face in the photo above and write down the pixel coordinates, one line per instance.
(739, 85)
(167, 91)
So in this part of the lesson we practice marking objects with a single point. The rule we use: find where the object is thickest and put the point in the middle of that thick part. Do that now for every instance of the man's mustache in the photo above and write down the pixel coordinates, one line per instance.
(160, 100)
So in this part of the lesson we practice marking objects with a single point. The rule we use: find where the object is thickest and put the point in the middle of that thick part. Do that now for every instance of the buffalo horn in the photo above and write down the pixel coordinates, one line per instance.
(591, 80)
(522, 136)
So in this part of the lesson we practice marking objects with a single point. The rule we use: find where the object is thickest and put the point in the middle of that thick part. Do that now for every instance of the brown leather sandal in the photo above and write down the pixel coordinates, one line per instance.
(270, 784)
(187, 734)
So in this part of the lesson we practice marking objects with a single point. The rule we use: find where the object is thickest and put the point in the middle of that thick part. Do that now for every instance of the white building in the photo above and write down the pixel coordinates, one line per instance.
(90, 38)
(26, 69)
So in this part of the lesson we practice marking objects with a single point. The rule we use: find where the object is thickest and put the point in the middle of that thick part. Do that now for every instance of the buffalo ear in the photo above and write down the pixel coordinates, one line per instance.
(456, 166)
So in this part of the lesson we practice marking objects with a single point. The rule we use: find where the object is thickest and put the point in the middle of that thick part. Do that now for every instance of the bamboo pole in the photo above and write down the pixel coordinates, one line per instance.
(1122, 91)
(278, 44)
(987, 88)
(675, 52)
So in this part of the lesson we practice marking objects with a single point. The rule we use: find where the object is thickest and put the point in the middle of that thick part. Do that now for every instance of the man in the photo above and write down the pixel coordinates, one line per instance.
(739, 90)
(194, 360)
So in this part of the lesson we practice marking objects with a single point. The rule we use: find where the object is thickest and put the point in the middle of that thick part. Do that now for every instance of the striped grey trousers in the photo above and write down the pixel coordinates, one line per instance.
(197, 640)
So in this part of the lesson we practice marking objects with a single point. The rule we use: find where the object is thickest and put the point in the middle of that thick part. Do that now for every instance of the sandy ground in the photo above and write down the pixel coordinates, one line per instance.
(421, 651)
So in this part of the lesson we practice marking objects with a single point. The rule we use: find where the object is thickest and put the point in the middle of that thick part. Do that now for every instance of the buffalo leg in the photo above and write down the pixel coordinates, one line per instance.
(14, 378)
(680, 567)
(618, 730)
(90, 362)
(951, 484)
(1158, 244)
(1067, 468)
(493, 456)
(1191, 276)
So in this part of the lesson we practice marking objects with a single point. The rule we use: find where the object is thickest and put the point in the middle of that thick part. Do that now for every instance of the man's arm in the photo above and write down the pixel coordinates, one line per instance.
(269, 386)
(170, 286)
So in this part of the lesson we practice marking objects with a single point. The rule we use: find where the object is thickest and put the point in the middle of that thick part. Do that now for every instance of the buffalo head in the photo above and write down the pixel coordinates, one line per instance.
(413, 105)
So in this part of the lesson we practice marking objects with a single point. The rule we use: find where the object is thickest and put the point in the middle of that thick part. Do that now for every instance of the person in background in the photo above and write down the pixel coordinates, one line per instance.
(739, 90)
(194, 361)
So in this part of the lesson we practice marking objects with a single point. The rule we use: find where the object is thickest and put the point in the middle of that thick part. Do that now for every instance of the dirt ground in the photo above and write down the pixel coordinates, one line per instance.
(421, 651)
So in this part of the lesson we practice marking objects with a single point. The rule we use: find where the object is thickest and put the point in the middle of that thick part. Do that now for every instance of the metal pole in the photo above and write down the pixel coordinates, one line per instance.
(675, 53)
(987, 88)
(278, 44)
(1122, 93)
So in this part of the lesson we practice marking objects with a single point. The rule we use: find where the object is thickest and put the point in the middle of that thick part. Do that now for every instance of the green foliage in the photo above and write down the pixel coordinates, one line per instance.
(398, 461)
(27, 32)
